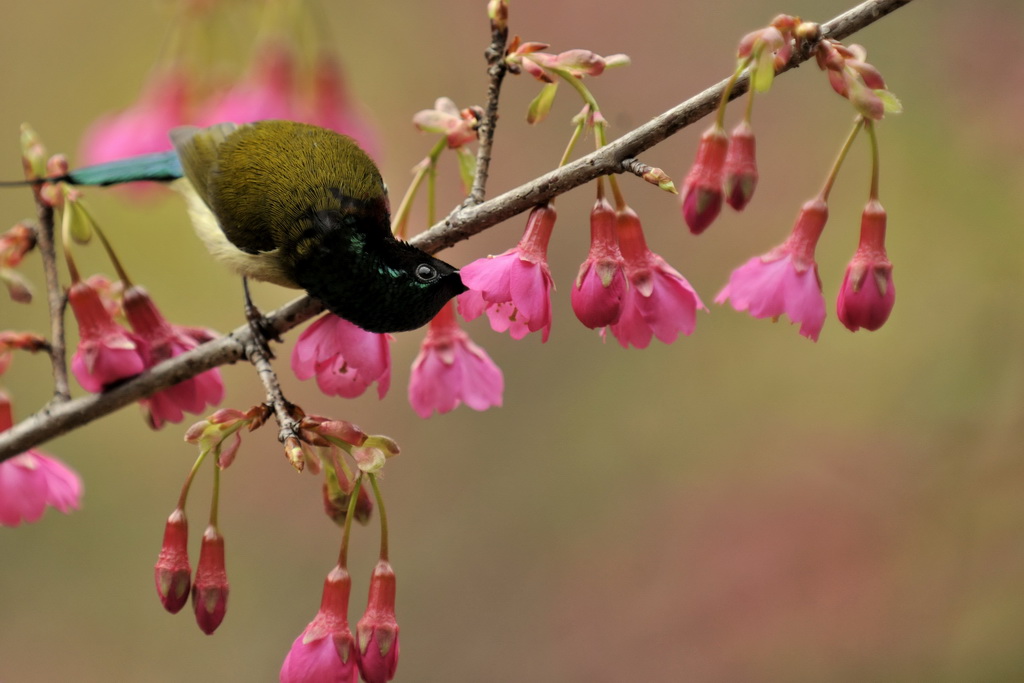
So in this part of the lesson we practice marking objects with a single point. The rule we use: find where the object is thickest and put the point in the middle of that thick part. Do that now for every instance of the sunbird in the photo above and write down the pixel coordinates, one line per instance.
(299, 206)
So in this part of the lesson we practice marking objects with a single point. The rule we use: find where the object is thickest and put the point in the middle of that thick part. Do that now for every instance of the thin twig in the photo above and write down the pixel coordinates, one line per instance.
(496, 69)
(55, 299)
(59, 419)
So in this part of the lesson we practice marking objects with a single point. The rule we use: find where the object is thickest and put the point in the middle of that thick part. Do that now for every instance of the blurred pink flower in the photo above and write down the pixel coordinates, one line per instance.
(377, 631)
(868, 294)
(600, 285)
(106, 353)
(164, 341)
(450, 369)
(32, 480)
(142, 127)
(325, 650)
(659, 301)
(785, 280)
(514, 288)
(346, 359)
(266, 92)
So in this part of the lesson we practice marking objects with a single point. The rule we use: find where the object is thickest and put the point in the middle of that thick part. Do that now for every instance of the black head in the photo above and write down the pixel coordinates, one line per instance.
(381, 286)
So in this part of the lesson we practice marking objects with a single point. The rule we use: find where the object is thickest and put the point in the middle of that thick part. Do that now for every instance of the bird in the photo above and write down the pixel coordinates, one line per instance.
(299, 206)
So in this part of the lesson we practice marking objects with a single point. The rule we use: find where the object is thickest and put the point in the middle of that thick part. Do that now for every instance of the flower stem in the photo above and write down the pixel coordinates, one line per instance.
(349, 514)
(116, 262)
(215, 498)
(400, 221)
(188, 480)
(831, 179)
(720, 114)
(873, 136)
(383, 517)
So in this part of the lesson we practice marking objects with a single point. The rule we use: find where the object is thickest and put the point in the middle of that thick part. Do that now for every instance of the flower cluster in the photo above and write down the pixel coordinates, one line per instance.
(285, 79)
(785, 280)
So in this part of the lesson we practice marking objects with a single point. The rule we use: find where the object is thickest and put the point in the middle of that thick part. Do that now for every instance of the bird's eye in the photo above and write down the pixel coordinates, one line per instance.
(426, 272)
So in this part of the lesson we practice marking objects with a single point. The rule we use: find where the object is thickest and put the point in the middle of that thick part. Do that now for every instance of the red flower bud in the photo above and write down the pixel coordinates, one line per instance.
(377, 631)
(741, 167)
(868, 295)
(210, 590)
(702, 189)
(173, 573)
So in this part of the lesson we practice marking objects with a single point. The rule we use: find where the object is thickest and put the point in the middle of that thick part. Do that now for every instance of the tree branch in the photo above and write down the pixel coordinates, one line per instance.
(461, 224)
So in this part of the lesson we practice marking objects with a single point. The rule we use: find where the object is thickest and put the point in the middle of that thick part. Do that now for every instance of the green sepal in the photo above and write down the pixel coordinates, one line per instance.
(541, 104)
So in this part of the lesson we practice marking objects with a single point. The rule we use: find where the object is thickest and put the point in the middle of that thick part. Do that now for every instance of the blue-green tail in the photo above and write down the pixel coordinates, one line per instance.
(162, 166)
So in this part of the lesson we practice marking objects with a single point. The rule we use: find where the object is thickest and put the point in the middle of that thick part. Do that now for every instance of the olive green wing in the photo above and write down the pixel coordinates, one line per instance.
(202, 154)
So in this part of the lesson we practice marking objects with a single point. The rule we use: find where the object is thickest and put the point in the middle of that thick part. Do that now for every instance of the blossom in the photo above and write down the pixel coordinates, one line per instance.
(785, 280)
(450, 369)
(142, 127)
(164, 341)
(325, 650)
(172, 572)
(266, 92)
(600, 285)
(702, 189)
(868, 294)
(32, 480)
(345, 358)
(659, 301)
(210, 589)
(106, 353)
(458, 127)
(740, 166)
(377, 631)
(514, 288)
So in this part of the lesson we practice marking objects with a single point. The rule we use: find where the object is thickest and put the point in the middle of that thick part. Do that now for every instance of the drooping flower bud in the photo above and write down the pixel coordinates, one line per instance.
(600, 285)
(210, 589)
(173, 573)
(868, 295)
(702, 189)
(741, 166)
(325, 650)
(106, 353)
(377, 631)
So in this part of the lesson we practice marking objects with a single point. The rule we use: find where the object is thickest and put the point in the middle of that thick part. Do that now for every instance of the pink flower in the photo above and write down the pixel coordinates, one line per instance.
(702, 189)
(868, 294)
(346, 359)
(164, 341)
(106, 353)
(266, 92)
(659, 301)
(458, 127)
(142, 127)
(785, 280)
(377, 631)
(173, 573)
(325, 651)
(32, 480)
(450, 369)
(210, 589)
(741, 166)
(600, 285)
(514, 288)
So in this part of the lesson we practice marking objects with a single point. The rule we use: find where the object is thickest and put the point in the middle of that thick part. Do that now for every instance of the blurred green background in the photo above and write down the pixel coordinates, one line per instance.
(743, 505)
